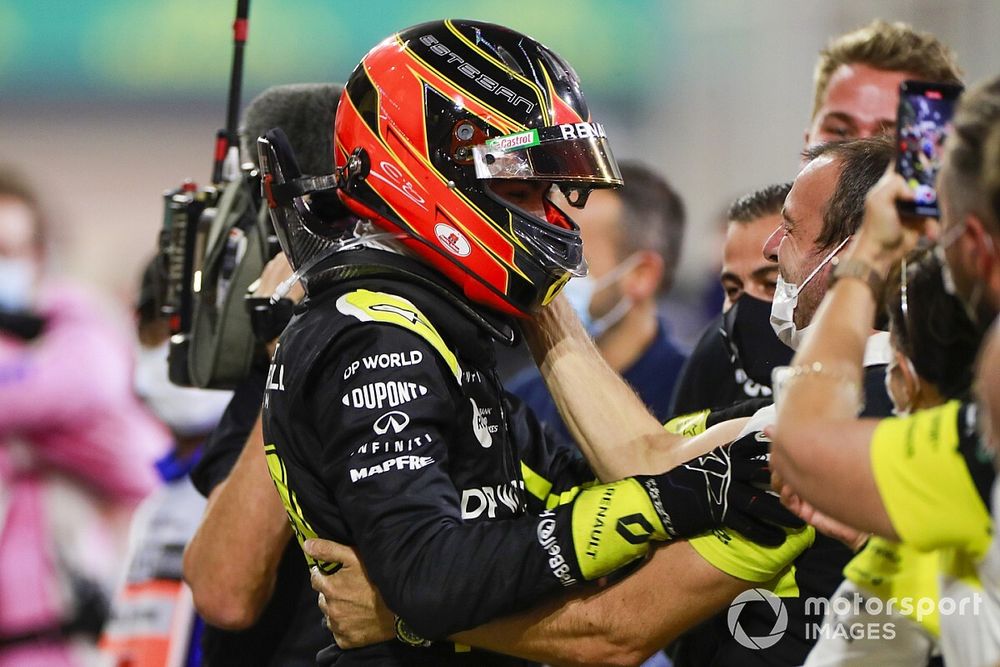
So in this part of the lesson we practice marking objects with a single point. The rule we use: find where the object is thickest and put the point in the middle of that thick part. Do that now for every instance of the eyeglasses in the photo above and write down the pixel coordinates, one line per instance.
(945, 241)
(948, 238)
(917, 259)
(904, 302)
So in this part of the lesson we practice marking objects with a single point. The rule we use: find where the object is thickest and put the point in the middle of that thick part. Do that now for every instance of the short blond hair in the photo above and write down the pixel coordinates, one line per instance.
(894, 47)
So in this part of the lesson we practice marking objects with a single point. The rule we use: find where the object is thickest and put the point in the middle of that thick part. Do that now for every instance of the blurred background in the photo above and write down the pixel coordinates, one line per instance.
(107, 103)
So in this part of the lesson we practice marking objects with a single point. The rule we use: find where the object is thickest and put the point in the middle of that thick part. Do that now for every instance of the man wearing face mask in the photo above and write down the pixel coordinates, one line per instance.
(924, 480)
(632, 241)
(166, 520)
(801, 282)
(855, 93)
(733, 359)
(821, 212)
(76, 449)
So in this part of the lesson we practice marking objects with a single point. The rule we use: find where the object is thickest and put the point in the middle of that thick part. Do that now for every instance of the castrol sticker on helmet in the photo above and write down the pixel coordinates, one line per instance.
(512, 142)
(452, 239)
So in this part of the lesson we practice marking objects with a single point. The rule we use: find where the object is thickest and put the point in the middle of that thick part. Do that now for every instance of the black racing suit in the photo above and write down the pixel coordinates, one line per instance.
(387, 428)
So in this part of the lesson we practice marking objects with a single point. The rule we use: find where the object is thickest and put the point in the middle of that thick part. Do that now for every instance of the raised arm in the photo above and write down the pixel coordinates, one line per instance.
(616, 432)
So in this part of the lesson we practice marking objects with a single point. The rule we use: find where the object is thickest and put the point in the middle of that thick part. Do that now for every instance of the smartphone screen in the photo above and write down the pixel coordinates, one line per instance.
(922, 123)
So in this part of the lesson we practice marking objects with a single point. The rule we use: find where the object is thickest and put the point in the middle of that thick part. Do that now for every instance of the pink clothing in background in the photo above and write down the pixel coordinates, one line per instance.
(76, 452)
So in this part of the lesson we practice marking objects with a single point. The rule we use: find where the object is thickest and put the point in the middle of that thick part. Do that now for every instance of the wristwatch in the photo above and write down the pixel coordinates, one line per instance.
(860, 269)
(406, 635)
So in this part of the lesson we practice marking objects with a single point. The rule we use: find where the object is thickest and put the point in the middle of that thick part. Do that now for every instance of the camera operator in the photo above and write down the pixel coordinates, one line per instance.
(166, 520)
(245, 572)
(76, 449)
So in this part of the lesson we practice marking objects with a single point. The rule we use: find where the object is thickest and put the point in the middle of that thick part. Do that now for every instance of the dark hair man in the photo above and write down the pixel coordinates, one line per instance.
(923, 479)
(244, 570)
(855, 94)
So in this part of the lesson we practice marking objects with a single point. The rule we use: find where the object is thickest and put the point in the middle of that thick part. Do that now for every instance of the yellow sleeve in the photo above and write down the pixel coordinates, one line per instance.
(890, 570)
(737, 556)
(924, 482)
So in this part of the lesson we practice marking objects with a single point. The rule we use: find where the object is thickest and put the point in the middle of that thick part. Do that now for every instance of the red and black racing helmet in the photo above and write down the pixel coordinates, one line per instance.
(431, 118)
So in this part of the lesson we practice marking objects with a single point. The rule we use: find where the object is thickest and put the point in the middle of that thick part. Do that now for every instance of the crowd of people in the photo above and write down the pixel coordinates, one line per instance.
(815, 484)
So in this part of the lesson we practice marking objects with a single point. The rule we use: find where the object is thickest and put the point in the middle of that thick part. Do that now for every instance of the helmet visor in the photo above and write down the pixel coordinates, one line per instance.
(577, 153)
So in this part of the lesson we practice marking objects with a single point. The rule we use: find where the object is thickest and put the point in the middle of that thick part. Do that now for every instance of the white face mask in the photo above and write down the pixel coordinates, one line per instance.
(786, 298)
(580, 293)
(17, 282)
(185, 411)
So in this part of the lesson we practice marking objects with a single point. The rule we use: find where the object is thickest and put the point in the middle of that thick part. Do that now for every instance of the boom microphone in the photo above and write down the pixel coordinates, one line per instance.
(305, 111)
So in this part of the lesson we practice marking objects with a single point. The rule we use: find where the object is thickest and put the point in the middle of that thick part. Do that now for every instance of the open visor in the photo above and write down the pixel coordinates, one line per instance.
(576, 153)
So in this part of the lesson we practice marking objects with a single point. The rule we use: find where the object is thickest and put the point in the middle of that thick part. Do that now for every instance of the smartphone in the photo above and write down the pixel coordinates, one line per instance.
(922, 123)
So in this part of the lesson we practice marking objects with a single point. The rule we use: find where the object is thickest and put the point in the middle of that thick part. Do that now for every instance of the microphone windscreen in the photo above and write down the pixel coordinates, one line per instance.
(305, 111)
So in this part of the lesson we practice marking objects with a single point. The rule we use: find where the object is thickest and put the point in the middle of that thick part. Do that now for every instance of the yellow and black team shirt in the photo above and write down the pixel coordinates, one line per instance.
(387, 429)
(891, 570)
(935, 481)
(934, 478)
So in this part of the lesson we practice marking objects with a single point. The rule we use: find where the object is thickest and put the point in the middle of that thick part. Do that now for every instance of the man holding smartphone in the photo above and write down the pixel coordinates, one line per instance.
(855, 95)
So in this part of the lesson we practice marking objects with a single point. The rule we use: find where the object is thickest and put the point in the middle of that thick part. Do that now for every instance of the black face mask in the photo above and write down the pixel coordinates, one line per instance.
(753, 346)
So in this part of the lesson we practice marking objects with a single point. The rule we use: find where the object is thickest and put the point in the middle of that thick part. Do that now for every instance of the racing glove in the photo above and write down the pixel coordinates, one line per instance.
(729, 486)
(695, 423)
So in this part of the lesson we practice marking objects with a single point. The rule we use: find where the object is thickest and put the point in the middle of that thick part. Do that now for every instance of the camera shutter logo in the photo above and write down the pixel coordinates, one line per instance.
(780, 619)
